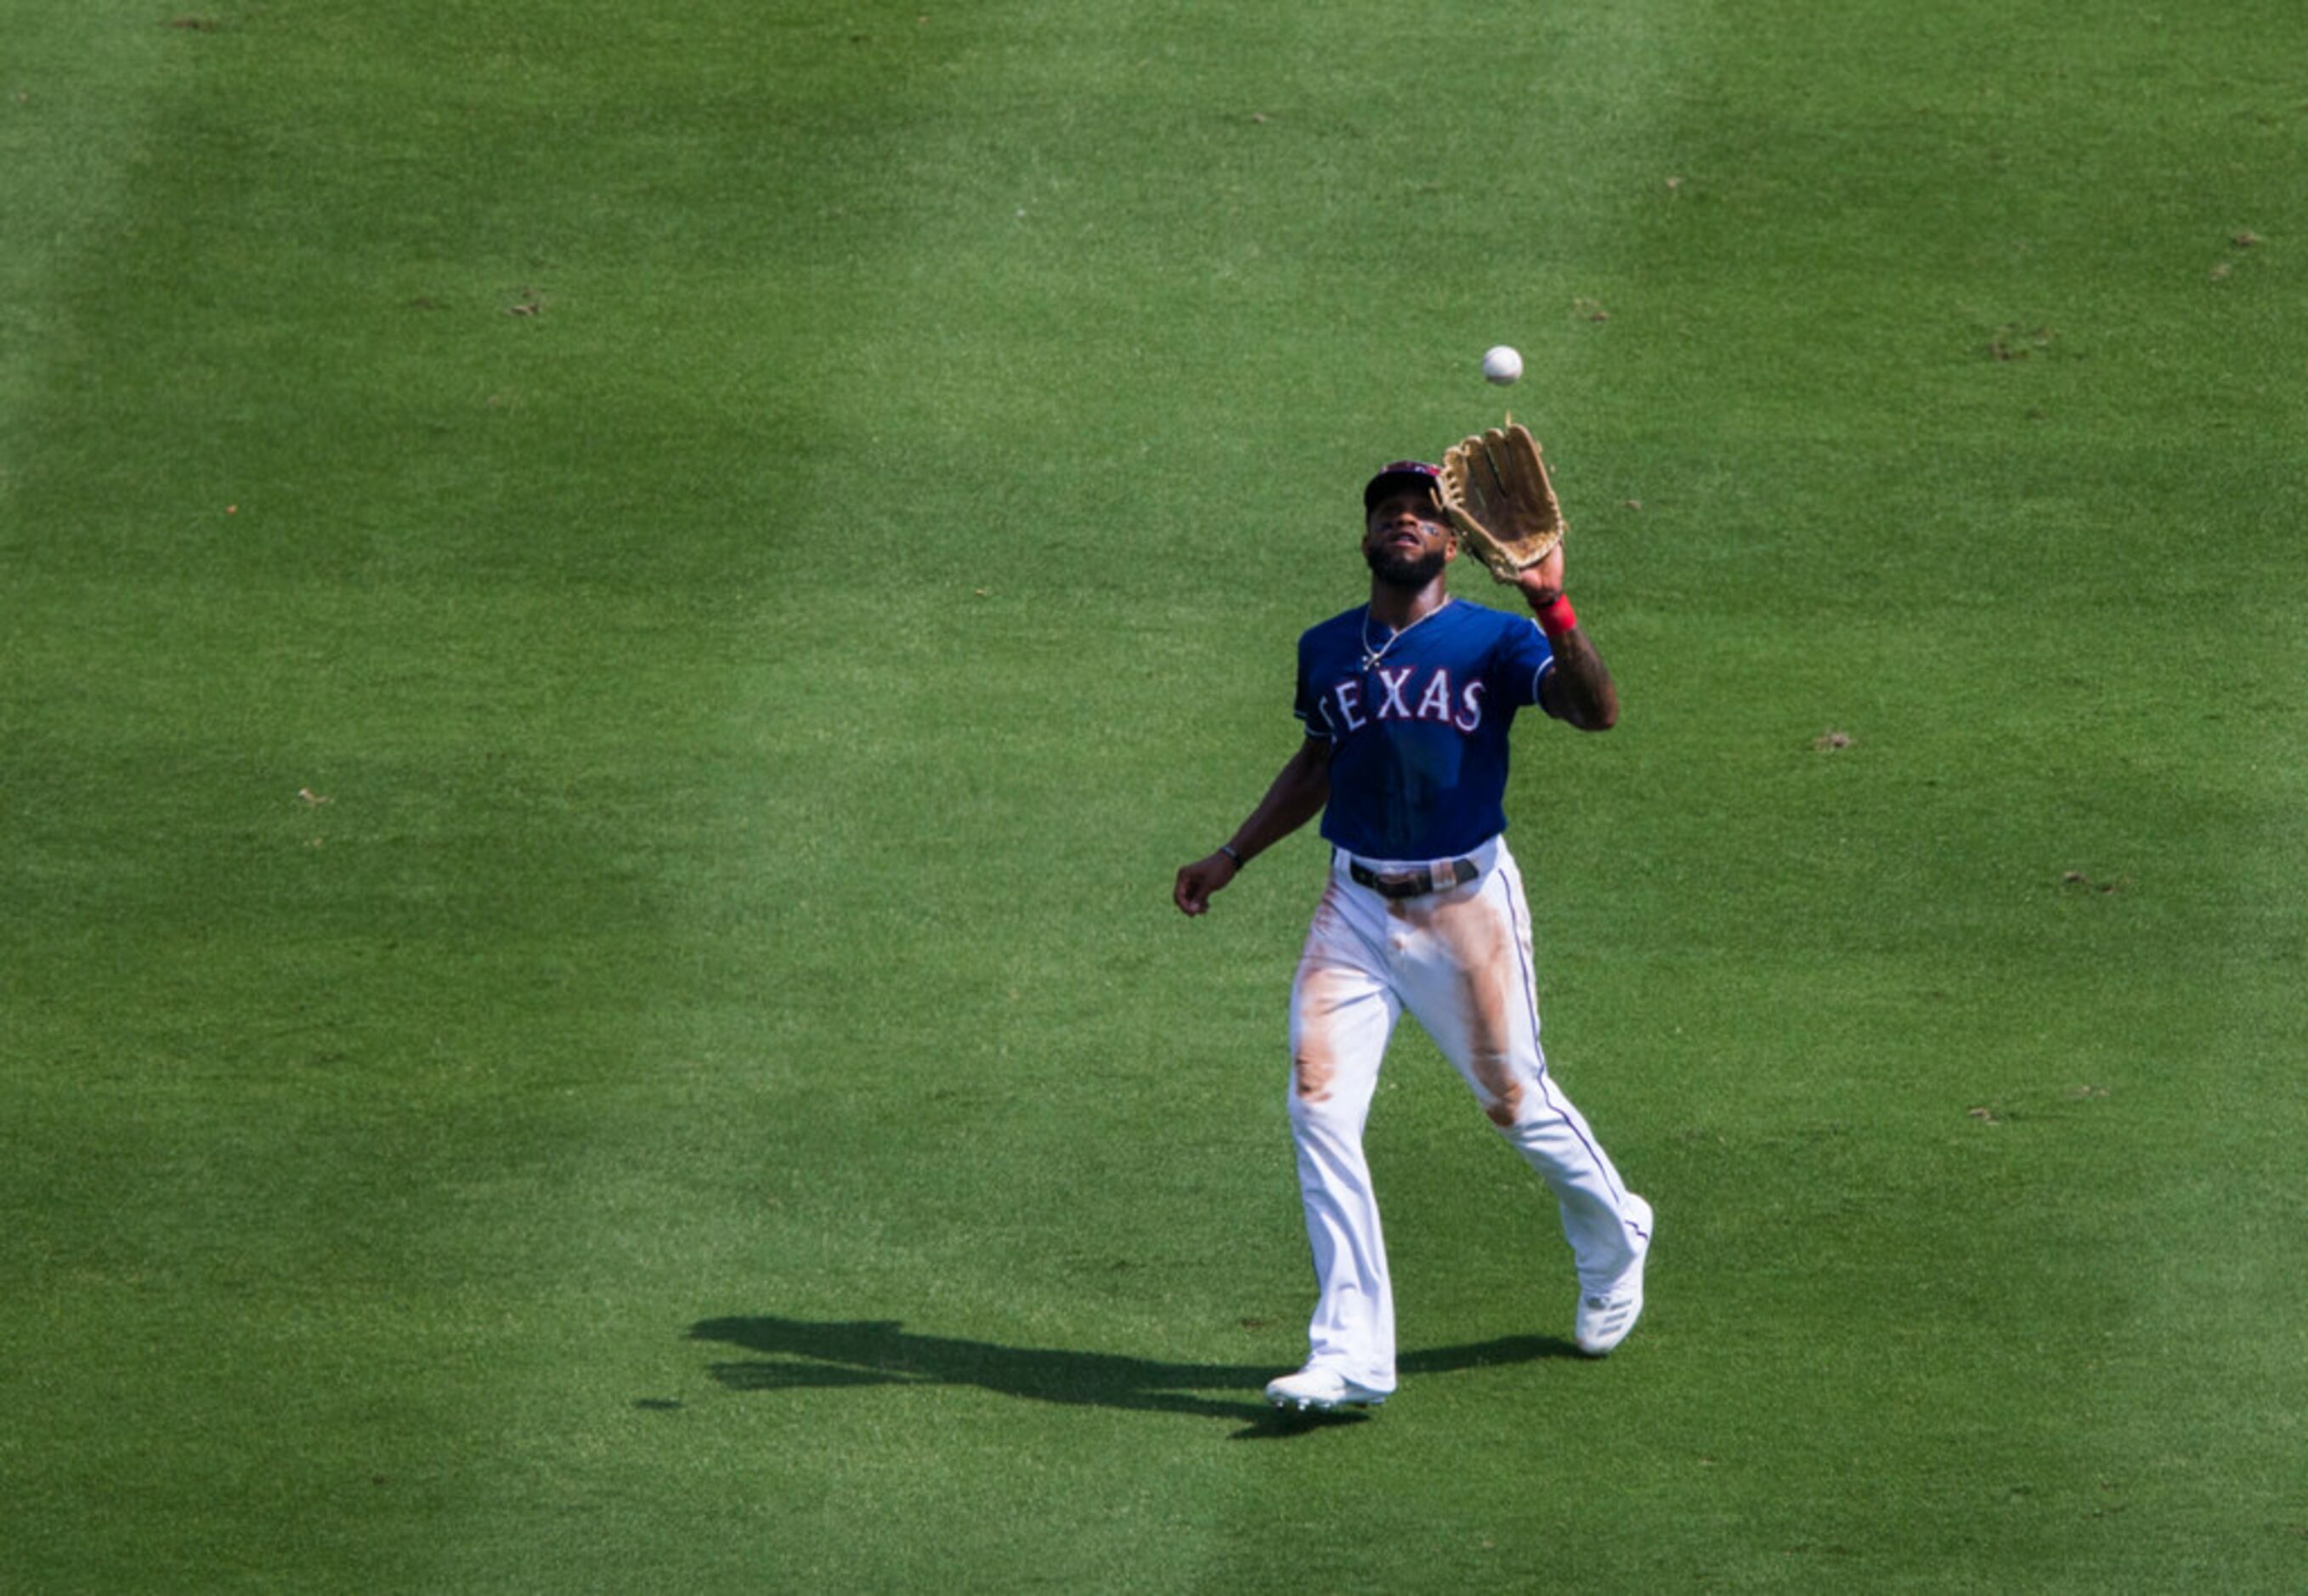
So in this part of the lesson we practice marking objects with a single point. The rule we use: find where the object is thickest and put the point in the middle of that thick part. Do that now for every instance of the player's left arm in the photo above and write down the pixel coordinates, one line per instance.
(1578, 688)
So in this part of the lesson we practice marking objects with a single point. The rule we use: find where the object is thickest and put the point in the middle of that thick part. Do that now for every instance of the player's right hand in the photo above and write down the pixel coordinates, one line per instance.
(1199, 880)
(1542, 583)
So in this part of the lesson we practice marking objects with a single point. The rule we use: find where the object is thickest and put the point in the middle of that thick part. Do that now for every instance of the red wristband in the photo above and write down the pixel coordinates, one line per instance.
(1555, 617)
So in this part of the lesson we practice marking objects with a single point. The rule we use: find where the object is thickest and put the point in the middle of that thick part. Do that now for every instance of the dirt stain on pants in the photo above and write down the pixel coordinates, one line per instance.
(1314, 1062)
(1480, 944)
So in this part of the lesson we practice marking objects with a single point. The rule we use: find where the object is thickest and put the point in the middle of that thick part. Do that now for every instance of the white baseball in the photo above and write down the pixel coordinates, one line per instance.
(1501, 365)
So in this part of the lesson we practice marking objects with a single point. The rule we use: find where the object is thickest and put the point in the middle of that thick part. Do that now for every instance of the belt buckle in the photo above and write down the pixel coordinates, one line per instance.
(1393, 884)
(1414, 883)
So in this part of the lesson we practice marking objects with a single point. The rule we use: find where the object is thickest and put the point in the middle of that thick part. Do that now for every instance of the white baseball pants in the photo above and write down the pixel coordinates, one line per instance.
(1460, 961)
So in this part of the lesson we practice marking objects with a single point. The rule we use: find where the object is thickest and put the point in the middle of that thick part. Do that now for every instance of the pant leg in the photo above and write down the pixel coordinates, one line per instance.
(1469, 981)
(1342, 1011)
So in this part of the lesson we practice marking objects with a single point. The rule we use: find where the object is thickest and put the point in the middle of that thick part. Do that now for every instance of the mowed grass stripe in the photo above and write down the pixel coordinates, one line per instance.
(74, 117)
(2015, 705)
(308, 1082)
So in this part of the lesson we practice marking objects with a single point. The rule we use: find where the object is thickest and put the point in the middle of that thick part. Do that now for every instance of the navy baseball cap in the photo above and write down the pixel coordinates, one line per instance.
(1399, 475)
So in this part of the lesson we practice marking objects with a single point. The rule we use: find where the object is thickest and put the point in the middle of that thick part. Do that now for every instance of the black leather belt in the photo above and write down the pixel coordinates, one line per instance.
(1414, 883)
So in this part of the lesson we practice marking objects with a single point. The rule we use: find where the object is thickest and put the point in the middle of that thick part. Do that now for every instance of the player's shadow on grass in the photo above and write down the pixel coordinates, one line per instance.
(809, 1355)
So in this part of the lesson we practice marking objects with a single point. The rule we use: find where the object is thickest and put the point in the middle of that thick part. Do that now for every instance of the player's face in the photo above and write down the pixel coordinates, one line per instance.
(1408, 540)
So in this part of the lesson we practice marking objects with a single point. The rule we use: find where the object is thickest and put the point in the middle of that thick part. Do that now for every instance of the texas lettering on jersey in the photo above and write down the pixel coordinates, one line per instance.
(1343, 709)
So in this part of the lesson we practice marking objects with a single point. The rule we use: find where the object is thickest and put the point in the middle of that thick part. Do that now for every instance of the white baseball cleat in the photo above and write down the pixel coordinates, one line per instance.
(1605, 1316)
(1323, 1388)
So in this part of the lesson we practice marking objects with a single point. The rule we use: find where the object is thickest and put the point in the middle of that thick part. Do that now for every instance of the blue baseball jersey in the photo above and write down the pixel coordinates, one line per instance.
(1419, 737)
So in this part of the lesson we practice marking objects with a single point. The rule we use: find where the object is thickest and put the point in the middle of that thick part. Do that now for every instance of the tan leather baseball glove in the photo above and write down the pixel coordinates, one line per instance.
(1495, 487)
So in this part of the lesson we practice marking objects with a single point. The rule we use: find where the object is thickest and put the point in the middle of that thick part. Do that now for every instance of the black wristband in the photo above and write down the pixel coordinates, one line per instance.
(1228, 848)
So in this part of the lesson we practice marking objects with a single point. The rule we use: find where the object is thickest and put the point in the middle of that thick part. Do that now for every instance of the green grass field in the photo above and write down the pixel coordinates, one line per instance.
(615, 618)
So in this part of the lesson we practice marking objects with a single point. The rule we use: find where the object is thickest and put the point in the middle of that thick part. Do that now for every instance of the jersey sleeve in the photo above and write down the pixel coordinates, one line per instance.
(1522, 661)
(1308, 708)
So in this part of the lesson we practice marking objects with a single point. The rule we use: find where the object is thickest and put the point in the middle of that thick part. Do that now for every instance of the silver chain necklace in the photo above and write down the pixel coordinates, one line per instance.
(1372, 655)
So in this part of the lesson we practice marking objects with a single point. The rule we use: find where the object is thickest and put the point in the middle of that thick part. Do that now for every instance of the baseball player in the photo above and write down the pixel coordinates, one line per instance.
(1407, 702)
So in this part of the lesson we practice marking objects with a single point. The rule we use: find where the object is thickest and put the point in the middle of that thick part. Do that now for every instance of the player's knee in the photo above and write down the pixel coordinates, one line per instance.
(1321, 1116)
(1497, 1088)
(1311, 1074)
